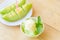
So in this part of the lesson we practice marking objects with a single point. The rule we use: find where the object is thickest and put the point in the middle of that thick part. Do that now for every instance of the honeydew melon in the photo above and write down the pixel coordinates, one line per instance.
(14, 15)
(12, 7)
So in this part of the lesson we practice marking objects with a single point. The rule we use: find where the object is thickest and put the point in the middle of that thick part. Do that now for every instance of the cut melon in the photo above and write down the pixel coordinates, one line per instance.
(12, 7)
(14, 15)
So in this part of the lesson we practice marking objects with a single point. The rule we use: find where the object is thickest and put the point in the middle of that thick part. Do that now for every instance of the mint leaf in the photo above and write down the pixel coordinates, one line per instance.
(39, 25)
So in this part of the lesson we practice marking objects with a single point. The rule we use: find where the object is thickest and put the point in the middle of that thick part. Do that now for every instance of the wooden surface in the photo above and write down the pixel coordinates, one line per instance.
(49, 10)
(49, 13)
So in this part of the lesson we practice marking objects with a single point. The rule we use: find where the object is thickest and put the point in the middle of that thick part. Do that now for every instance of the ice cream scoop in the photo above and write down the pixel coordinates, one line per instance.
(32, 27)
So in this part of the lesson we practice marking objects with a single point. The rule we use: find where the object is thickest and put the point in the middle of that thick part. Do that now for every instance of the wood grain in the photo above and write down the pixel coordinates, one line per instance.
(51, 19)
(49, 10)
(14, 33)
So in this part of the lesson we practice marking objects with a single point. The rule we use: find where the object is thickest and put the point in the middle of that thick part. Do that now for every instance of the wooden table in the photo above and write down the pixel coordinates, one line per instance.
(49, 12)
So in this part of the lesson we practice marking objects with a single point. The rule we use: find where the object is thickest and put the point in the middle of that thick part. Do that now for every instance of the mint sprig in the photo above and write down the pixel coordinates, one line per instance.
(39, 25)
